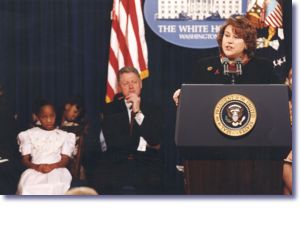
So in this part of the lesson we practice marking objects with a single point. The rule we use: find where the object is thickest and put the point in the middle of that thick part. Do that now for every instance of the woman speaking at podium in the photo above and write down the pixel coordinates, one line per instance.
(236, 62)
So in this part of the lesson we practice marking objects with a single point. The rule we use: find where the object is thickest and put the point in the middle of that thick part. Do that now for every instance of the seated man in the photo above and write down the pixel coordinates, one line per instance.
(132, 131)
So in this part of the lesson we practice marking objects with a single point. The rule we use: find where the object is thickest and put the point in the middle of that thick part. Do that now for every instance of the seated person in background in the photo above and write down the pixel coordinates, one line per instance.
(288, 175)
(10, 161)
(81, 191)
(46, 152)
(72, 120)
(132, 132)
(34, 120)
(236, 40)
(287, 164)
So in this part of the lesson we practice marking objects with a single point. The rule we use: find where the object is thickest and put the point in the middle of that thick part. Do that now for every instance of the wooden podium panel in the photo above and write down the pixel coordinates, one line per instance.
(233, 177)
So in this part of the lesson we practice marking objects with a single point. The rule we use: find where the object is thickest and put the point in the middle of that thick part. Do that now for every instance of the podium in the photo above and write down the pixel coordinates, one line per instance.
(233, 138)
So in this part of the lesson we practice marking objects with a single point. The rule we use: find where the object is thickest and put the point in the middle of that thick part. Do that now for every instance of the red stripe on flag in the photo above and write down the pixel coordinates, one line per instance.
(135, 25)
(272, 21)
(276, 20)
(278, 12)
(121, 48)
(126, 5)
(109, 93)
(113, 60)
(278, 17)
(122, 43)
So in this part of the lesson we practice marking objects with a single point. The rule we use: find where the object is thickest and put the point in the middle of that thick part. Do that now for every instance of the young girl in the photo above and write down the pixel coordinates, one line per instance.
(46, 151)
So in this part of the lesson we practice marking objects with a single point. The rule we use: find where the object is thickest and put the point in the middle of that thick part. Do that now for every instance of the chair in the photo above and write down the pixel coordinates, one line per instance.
(75, 165)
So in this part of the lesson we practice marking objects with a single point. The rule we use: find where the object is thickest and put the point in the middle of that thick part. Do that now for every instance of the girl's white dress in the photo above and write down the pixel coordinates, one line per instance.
(45, 147)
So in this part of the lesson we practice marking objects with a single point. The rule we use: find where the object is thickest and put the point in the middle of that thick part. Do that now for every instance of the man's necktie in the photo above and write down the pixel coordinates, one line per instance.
(131, 122)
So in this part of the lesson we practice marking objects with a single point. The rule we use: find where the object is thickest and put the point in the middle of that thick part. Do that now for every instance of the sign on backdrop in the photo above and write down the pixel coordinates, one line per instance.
(190, 23)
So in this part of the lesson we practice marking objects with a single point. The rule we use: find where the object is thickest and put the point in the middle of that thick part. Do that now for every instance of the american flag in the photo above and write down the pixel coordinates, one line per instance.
(127, 42)
(267, 16)
(273, 14)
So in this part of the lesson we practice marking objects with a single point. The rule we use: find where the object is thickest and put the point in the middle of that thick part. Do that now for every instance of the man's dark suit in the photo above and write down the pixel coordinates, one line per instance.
(123, 169)
(10, 161)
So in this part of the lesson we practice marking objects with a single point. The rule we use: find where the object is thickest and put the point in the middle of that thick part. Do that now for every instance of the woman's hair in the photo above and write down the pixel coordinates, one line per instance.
(39, 104)
(243, 29)
(77, 101)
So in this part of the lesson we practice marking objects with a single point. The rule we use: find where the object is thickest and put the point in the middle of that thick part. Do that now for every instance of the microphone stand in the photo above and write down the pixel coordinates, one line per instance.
(232, 73)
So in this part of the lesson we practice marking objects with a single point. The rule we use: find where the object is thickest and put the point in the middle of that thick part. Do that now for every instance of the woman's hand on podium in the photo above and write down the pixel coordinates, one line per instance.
(176, 96)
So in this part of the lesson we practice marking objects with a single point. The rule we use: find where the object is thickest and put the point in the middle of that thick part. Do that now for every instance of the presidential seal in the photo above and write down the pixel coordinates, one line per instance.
(235, 115)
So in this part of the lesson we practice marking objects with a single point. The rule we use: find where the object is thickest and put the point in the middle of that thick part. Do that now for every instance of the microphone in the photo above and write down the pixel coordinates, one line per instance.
(238, 63)
(225, 62)
(232, 69)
